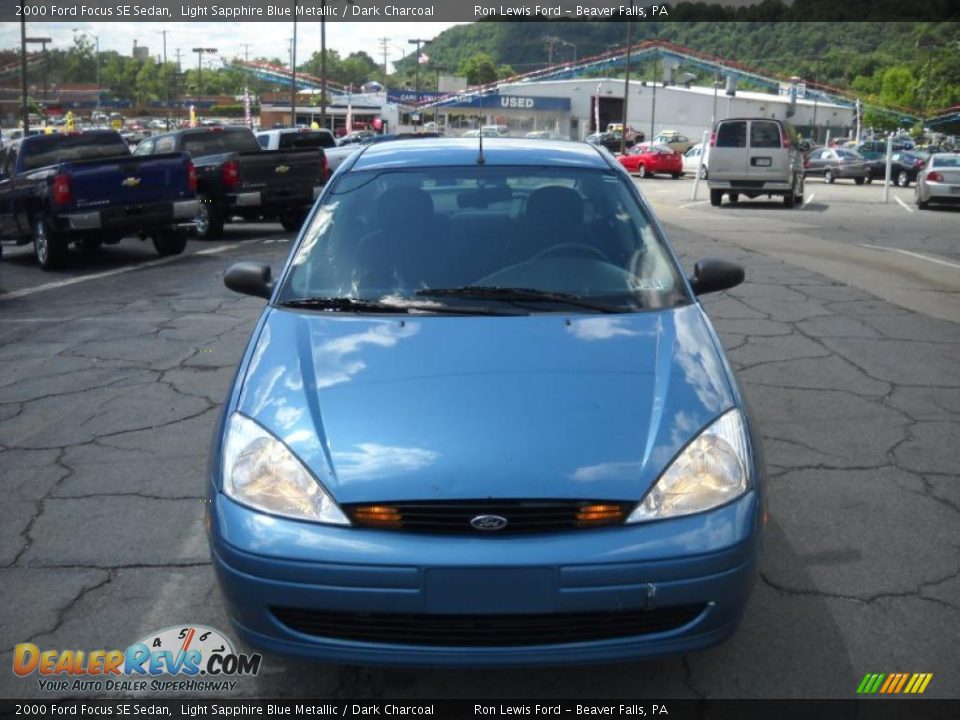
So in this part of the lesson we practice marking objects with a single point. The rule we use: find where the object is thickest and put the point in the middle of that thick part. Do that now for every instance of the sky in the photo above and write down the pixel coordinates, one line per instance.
(269, 39)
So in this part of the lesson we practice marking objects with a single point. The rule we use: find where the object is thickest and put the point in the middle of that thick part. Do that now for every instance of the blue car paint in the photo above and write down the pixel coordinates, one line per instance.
(381, 408)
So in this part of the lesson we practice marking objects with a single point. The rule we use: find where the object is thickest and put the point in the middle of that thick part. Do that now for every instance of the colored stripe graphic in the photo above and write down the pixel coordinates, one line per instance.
(894, 683)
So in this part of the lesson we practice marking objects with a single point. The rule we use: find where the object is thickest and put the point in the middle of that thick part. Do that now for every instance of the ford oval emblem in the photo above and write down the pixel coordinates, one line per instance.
(488, 522)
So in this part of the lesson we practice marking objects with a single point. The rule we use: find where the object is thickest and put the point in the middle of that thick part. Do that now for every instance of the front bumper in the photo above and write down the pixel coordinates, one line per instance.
(267, 563)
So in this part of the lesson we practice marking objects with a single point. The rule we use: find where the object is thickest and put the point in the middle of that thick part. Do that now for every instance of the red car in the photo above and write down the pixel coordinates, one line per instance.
(648, 160)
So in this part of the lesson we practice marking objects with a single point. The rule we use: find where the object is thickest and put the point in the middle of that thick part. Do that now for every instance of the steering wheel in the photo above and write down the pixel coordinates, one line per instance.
(572, 248)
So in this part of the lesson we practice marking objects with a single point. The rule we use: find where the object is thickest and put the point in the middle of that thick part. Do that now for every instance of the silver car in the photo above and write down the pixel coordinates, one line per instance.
(939, 181)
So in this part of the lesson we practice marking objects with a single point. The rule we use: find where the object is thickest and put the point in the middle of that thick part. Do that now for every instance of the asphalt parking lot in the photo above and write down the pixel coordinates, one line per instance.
(845, 337)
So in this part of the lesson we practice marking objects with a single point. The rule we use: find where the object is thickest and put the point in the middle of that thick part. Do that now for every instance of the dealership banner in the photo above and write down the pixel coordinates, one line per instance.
(489, 708)
(166, 11)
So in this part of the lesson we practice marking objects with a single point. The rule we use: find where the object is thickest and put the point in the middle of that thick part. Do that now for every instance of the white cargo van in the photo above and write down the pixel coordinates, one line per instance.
(754, 157)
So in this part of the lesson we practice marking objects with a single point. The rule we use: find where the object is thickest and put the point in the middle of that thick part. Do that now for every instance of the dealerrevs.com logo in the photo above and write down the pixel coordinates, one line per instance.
(178, 659)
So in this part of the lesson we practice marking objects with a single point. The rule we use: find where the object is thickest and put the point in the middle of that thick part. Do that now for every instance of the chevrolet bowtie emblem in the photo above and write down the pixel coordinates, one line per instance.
(131, 182)
(282, 168)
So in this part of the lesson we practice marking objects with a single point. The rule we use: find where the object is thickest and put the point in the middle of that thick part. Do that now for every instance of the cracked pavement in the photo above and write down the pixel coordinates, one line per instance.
(109, 391)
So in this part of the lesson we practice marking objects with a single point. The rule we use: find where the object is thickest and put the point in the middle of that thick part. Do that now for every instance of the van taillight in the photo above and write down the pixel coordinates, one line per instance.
(785, 141)
(191, 177)
(230, 173)
(934, 177)
(61, 190)
(713, 139)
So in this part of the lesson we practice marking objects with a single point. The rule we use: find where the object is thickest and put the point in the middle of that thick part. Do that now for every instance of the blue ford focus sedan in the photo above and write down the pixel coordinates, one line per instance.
(484, 420)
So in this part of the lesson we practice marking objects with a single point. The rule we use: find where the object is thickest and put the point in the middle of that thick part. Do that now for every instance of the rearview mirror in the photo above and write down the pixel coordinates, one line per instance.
(250, 278)
(713, 274)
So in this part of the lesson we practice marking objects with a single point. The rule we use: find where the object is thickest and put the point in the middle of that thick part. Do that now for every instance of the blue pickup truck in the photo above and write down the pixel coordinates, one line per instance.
(87, 189)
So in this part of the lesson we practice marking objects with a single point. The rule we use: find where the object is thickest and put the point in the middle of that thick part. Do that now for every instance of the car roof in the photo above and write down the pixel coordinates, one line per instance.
(464, 151)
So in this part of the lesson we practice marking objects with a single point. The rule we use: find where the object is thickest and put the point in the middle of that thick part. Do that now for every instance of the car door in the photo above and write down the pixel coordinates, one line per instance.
(13, 197)
(728, 156)
(768, 161)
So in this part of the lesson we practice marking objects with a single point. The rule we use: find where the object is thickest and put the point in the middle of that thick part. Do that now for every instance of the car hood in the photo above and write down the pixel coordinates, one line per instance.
(433, 408)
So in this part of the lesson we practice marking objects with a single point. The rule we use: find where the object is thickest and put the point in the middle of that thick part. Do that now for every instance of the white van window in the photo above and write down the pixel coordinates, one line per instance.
(732, 134)
(764, 134)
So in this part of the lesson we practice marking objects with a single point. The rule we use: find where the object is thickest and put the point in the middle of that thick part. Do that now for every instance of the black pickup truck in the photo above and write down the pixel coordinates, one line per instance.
(236, 177)
(88, 190)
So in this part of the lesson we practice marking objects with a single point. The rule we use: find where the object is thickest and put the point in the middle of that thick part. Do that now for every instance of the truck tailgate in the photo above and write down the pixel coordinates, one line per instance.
(281, 172)
(133, 180)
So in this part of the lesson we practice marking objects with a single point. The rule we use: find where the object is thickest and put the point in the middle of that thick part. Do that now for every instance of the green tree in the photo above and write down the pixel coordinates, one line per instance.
(479, 69)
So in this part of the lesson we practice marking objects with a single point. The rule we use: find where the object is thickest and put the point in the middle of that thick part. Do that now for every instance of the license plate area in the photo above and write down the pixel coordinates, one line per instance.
(496, 590)
(761, 162)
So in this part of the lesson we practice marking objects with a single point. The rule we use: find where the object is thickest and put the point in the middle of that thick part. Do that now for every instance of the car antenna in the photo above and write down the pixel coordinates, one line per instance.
(480, 160)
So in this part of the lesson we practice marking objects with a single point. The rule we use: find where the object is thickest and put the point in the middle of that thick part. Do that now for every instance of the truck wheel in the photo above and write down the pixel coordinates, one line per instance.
(292, 220)
(169, 241)
(716, 197)
(50, 249)
(209, 222)
(859, 181)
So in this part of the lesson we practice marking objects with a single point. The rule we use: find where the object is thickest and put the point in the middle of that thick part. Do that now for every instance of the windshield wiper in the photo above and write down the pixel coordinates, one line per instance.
(514, 294)
(348, 304)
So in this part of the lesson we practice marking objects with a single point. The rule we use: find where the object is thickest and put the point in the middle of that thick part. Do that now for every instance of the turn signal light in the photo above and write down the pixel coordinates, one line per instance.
(191, 177)
(377, 516)
(599, 514)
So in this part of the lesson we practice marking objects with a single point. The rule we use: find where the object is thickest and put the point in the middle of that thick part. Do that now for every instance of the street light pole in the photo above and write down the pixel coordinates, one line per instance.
(417, 41)
(293, 70)
(23, 70)
(200, 51)
(166, 78)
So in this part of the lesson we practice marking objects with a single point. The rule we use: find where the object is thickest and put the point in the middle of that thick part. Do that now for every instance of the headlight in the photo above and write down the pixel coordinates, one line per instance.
(711, 471)
(260, 471)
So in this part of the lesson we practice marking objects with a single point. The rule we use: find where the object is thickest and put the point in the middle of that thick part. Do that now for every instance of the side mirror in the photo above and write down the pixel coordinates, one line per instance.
(713, 274)
(250, 278)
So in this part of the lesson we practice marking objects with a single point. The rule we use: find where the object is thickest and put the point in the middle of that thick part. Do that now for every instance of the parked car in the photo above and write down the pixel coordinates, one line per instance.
(544, 135)
(837, 163)
(611, 141)
(939, 181)
(754, 157)
(336, 156)
(652, 159)
(693, 163)
(357, 136)
(85, 189)
(905, 166)
(875, 153)
(237, 178)
(676, 141)
(484, 420)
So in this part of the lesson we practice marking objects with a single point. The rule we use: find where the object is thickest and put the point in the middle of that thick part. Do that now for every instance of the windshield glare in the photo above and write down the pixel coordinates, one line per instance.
(384, 235)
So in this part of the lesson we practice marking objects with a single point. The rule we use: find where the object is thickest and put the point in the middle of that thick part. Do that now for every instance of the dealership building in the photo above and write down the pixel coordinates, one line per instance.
(572, 107)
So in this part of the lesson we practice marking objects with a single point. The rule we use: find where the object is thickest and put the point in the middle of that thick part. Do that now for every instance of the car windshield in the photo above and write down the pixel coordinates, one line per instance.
(52, 149)
(394, 236)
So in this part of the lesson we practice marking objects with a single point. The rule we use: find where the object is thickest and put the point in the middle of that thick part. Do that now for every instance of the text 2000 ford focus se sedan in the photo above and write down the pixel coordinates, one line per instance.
(483, 420)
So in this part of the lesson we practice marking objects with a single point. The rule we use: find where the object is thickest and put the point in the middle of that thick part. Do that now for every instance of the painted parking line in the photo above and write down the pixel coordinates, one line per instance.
(109, 273)
(919, 256)
(698, 202)
(903, 205)
(808, 200)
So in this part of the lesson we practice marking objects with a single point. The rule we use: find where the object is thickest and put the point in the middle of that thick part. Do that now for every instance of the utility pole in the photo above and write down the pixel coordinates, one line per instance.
(653, 104)
(626, 84)
(43, 42)
(246, 52)
(178, 54)
(384, 43)
(166, 76)
(200, 51)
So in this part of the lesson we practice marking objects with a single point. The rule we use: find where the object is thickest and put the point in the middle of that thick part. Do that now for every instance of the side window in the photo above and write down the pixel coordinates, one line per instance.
(264, 141)
(764, 134)
(165, 145)
(144, 148)
(732, 134)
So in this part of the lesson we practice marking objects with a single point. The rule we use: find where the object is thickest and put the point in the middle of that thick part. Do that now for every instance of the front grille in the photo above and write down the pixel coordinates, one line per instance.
(485, 630)
(520, 516)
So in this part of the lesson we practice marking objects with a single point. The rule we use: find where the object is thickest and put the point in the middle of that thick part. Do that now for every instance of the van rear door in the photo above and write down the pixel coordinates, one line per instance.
(769, 160)
(728, 157)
